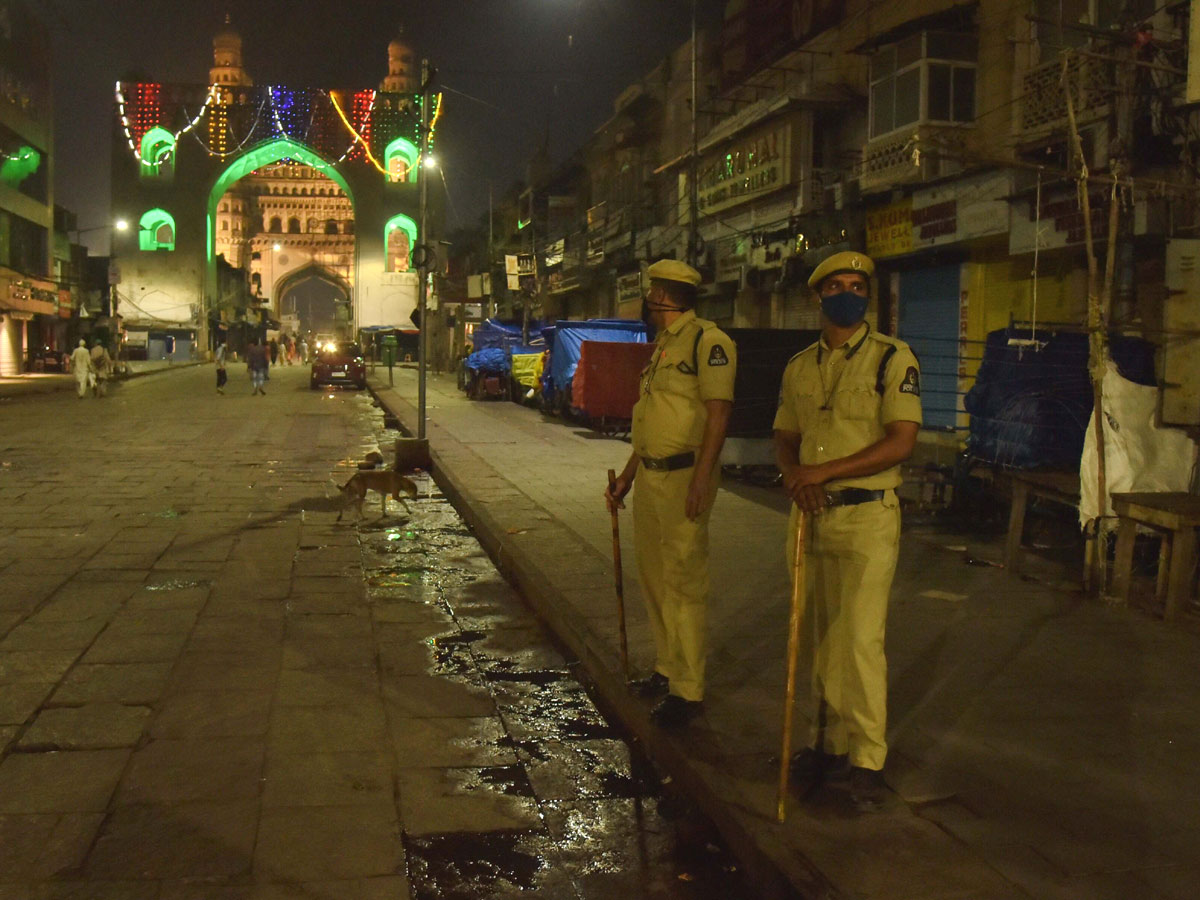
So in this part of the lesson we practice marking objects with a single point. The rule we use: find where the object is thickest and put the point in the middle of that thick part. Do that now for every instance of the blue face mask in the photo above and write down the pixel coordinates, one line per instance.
(844, 309)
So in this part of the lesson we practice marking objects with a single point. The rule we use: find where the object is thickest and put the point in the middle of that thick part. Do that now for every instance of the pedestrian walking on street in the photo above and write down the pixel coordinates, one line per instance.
(274, 347)
(302, 351)
(256, 363)
(102, 365)
(686, 396)
(81, 365)
(222, 376)
(849, 413)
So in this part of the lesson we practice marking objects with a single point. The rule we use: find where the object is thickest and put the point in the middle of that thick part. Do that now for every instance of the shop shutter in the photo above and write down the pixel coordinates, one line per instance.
(929, 313)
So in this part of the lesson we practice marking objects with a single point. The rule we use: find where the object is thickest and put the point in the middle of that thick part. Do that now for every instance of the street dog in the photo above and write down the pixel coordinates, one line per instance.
(385, 482)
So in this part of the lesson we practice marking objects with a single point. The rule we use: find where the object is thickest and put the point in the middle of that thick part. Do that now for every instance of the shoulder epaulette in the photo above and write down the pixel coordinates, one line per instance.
(810, 347)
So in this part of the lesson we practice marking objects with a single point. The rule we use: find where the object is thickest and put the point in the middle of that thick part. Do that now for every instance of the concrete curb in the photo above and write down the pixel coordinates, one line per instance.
(769, 861)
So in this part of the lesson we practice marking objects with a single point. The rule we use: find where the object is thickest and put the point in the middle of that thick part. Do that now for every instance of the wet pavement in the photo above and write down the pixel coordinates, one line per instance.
(580, 812)
(211, 688)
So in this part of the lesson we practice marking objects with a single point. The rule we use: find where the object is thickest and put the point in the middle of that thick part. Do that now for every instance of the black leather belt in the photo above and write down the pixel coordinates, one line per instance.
(852, 496)
(670, 463)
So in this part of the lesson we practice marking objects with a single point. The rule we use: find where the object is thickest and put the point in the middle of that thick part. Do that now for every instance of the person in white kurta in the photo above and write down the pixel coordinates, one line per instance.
(81, 365)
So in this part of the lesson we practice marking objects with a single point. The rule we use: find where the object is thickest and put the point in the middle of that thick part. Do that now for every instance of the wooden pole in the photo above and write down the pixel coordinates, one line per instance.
(1097, 336)
(620, 582)
(793, 653)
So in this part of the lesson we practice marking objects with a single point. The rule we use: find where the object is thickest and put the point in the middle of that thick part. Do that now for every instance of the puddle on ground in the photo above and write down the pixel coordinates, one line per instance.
(175, 584)
(607, 830)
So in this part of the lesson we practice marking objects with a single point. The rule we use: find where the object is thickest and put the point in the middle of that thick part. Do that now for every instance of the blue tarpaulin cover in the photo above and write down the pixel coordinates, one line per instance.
(1029, 408)
(569, 338)
(492, 361)
(495, 333)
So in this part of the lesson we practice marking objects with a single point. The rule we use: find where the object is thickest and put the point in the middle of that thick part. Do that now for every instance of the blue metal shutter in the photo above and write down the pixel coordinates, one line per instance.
(929, 313)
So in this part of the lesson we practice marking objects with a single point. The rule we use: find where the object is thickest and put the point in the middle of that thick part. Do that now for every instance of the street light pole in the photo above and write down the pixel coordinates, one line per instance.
(423, 248)
(693, 167)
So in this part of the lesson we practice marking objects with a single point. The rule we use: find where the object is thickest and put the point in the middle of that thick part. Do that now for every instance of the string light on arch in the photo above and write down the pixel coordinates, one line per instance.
(357, 137)
(149, 114)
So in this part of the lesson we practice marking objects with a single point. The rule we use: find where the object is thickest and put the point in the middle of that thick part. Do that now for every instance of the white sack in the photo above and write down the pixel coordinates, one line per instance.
(1138, 456)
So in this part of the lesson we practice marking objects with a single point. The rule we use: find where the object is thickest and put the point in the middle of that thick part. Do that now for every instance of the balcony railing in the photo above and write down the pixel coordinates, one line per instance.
(1044, 100)
(912, 155)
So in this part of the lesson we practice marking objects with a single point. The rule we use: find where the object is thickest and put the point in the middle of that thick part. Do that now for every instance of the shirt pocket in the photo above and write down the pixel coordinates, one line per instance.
(856, 399)
(805, 405)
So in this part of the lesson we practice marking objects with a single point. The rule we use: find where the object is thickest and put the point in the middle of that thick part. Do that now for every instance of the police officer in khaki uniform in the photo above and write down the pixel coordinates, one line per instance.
(849, 412)
(678, 428)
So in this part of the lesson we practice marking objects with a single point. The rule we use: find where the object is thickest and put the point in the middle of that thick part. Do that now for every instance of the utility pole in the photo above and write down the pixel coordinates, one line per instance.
(422, 249)
(693, 249)
(491, 261)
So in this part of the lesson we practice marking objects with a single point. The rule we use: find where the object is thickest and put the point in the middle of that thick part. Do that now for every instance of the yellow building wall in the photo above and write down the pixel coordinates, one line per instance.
(1000, 290)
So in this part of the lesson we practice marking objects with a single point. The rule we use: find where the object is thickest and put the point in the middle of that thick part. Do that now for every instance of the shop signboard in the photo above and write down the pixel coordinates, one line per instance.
(556, 252)
(889, 229)
(958, 211)
(745, 170)
(629, 287)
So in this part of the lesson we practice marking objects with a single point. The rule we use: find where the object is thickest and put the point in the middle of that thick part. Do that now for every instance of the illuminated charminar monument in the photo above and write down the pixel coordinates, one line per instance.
(292, 184)
(288, 219)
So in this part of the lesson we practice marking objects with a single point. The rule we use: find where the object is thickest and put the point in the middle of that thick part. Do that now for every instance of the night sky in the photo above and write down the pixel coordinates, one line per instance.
(532, 67)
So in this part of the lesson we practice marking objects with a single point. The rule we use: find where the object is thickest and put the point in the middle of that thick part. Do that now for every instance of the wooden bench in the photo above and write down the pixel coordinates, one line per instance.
(1058, 487)
(1178, 516)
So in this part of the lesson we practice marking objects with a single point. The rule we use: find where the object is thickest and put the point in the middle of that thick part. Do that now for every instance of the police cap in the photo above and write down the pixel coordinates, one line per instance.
(841, 263)
(674, 270)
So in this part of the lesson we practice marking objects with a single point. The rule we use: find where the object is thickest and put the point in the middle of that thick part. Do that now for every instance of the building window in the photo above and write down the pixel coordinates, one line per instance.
(293, 225)
(399, 237)
(400, 159)
(928, 77)
(331, 227)
(276, 226)
(156, 231)
(157, 155)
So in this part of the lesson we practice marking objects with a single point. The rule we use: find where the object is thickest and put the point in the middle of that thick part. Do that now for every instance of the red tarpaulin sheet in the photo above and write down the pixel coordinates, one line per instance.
(606, 381)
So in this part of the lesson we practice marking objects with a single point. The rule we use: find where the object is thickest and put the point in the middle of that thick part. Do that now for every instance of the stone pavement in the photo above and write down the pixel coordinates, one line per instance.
(1042, 745)
(50, 382)
(211, 689)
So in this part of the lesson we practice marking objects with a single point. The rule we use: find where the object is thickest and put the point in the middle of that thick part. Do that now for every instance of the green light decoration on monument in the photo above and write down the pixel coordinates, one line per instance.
(265, 154)
(405, 224)
(405, 150)
(156, 230)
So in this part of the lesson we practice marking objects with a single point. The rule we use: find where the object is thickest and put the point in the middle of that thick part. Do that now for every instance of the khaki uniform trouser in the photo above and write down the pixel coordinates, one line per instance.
(850, 561)
(672, 558)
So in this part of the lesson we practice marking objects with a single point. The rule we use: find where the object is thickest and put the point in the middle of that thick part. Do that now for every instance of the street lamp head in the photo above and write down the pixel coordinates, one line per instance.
(121, 225)
(277, 246)
(430, 162)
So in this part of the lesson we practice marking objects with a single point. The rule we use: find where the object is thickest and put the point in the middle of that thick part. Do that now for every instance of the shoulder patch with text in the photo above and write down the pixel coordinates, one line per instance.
(911, 383)
(717, 356)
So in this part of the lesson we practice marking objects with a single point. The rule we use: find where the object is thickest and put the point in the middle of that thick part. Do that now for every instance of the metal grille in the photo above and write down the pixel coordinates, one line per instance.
(1044, 102)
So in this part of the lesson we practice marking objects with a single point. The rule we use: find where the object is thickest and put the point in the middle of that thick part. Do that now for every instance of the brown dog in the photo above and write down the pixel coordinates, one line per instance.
(384, 481)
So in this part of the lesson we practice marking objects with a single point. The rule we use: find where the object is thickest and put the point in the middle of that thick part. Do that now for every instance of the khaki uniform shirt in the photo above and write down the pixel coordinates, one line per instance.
(670, 415)
(831, 397)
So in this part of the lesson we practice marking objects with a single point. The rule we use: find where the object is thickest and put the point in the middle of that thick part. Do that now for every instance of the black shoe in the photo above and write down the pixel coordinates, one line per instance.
(814, 766)
(675, 712)
(654, 686)
(867, 789)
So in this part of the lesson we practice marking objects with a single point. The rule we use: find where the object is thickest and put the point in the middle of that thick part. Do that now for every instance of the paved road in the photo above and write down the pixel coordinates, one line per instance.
(209, 688)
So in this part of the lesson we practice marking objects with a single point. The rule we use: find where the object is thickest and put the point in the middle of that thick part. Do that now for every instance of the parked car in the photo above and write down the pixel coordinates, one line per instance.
(338, 362)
